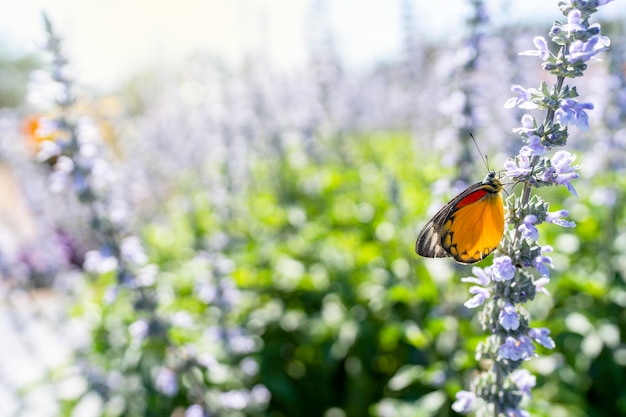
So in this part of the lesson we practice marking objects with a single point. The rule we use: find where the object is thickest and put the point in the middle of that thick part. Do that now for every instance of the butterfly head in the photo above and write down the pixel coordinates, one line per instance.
(491, 180)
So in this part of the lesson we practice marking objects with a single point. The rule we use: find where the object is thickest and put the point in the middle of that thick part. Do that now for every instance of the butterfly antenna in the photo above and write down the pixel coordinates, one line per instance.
(484, 158)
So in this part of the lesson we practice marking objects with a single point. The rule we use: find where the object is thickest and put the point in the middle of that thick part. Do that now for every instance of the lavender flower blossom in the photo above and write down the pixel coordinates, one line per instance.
(166, 382)
(516, 349)
(194, 410)
(583, 51)
(100, 262)
(132, 251)
(523, 99)
(564, 171)
(541, 283)
(481, 276)
(573, 22)
(517, 168)
(464, 403)
(480, 295)
(528, 228)
(139, 330)
(524, 380)
(516, 412)
(541, 264)
(503, 269)
(556, 217)
(260, 394)
(43, 89)
(542, 50)
(508, 317)
(573, 111)
(542, 336)
(235, 399)
(534, 147)
(561, 170)
(529, 126)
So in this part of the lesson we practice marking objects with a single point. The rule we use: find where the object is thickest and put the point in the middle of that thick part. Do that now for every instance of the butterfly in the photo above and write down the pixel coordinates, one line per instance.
(469, 227)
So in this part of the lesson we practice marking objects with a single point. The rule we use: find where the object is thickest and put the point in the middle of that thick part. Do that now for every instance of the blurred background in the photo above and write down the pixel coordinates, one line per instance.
(228, 226)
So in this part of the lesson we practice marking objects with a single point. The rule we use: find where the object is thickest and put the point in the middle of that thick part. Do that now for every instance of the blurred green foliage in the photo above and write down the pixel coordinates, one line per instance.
(349, 321)
(14, 78)
(349, 318)
(586, 374)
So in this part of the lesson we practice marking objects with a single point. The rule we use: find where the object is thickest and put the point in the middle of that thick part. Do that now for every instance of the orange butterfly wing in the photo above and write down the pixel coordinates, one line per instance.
(469, 227)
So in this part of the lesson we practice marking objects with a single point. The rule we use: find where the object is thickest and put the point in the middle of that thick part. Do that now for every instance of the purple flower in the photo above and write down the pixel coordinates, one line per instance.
(508, 317)
(555, 30)
(528, 126)
(524, 380)
(132, 251)
(464, 402)
(534, 147)
(110, 294)
(482, 277)
(139, 329)
(194, 411)
(260, 394)
(542, 50)
(542, 336)
(518, 167)
(574, 19)
(166, 383)
(561, 171)
(573, 111)
(584, 51)
(523, 98)
(541, 283)
(503, 269)
(235, 399)
(480, 295)
(239, 341)
(556, 217)
(100, 261)
(541, 264)
(516, 412)
(516, 349)
(528, 228)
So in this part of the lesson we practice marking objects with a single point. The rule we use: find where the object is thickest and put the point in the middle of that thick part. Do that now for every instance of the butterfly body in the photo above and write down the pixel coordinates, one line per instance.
(469, 227)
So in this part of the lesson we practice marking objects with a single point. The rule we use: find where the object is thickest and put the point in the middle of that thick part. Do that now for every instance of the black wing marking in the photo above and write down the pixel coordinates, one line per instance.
(429, 240)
